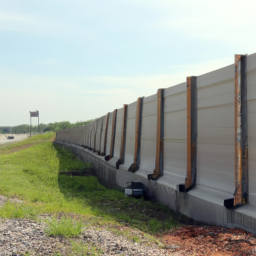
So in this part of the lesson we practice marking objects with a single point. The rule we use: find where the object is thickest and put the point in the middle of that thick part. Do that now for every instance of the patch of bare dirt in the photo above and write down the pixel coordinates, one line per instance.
(212, 241)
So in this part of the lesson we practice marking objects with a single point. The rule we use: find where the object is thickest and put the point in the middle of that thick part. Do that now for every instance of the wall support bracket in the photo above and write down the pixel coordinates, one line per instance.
(159, 137)
(190, 180)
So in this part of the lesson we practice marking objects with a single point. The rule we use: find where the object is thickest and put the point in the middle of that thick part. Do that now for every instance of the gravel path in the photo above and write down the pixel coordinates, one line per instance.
(21, 236)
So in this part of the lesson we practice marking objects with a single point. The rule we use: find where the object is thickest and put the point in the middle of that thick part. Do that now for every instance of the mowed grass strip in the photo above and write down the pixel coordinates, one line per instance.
(33, 175)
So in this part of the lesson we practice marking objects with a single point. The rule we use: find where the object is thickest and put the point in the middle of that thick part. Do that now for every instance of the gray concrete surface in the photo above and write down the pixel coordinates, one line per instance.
(148, 136)
(251, 106)
(175, 135)
(130, 136)
(216, 132)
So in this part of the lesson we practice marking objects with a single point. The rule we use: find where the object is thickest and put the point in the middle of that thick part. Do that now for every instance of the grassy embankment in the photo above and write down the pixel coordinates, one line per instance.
(30, 170)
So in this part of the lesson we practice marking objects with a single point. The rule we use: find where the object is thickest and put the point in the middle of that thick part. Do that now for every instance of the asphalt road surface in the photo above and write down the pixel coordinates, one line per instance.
(17, 137)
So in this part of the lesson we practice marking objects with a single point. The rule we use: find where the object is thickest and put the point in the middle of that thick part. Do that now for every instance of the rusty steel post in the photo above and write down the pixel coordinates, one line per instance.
(191, 135)
(136, 158)
(113, 133)
(106, 134)
(123, 134)
(159, 136)
(241, 129)
(241, 144)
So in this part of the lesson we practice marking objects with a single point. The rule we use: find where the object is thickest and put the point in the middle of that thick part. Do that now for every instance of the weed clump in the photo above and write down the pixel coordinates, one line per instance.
(64, 227)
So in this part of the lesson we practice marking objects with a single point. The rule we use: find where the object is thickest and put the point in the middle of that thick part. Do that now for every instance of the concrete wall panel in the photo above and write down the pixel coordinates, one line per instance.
(215, 144)
(148, 135)
(98, 134)
(130, 136)
(103, 134)
(119, 130)
(251, 106)
(175, 135)
(110, 119)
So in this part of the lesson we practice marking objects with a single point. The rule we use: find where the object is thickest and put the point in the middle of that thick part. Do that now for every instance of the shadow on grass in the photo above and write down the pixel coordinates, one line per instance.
(110, 204)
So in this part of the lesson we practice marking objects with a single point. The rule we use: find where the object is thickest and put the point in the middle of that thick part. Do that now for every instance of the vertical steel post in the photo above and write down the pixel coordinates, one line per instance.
(106, 134)
(123, 134)
(241, 130)
(241, 144)
(191, 135)
(159, 136)
(135, 166)
(113, 133)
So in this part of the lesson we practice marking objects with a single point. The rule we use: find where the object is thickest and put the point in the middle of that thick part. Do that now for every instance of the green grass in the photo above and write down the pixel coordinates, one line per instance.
(64, 227)
(33, 175)
(84, 249)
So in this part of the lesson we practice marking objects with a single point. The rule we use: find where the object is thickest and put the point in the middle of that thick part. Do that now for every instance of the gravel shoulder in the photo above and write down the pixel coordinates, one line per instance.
(21, 236)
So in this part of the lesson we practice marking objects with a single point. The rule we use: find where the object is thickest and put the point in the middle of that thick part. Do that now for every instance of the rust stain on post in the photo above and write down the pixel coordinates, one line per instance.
(123, 134)
(112, 134)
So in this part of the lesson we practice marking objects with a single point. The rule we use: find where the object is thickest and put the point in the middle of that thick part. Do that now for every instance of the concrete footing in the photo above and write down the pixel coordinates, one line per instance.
(197, 204)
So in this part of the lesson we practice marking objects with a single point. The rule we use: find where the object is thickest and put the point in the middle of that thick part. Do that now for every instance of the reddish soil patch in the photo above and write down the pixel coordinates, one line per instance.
(212, 241)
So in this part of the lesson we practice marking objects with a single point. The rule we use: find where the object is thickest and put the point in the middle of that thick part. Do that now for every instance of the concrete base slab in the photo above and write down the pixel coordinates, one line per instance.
(113, 162)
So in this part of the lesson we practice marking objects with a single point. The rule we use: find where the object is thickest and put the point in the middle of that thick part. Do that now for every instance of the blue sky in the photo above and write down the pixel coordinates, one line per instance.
(77, 60)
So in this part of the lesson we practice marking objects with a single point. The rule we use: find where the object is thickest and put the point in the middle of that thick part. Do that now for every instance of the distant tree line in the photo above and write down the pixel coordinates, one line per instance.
(54, 127)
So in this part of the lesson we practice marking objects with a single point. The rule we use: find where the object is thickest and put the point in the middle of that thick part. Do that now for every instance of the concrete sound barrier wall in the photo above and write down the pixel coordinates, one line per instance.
(114, 161)
(148, 136)
(175, 135)
(251, 101)
(130, 136)
(216, 133)
(193, 145)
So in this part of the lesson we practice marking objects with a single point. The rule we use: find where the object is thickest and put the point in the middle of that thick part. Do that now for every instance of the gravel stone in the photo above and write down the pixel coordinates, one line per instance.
(21, 236)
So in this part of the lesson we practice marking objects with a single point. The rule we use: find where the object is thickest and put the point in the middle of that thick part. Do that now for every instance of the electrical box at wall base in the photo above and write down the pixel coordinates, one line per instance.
(135, 189)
